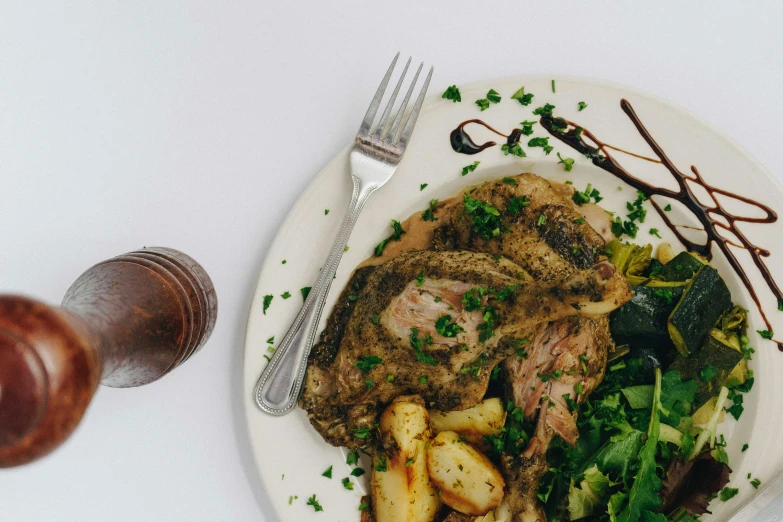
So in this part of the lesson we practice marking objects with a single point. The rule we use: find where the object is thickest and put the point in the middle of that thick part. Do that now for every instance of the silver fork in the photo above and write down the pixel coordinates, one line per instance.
(374, 159)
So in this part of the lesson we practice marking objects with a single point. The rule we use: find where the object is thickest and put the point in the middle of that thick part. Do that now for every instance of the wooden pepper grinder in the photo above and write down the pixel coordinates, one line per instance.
(125, 322)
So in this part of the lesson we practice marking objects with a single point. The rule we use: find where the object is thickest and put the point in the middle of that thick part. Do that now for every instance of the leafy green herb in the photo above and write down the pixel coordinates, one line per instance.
(352, 459)
(396, 235)
(285, 295)
(527, 127)
(485, 218)
(667, 208)
(521, 97)
(305, 292)
(423, 380)
(429, 214)
(327, 473)
(765, 334)
(541, 142)
(353, 297)
(654, 232)
(326, 212)
(728, 493)
(418, 348)
(267, 302)
(510, 181)
(708, 373)
(580, 198)
(284, 261)
(515, 150)
(471, 300)
(271, 340)
(423, 186)
(486, 327)
(580, 220)
(347, 484)
(409, 462)
(420, 278)
(368, 362)
(546, 110)
(357, 472)
(755, 483)
(470, 168)
(493, 96)
(581, 106)
(368, 383)
(362, 433)
(541, 220)
(568, 163)
(515, 205)
(452, 93)
(375, 319)
(312, 501)
(446, 328)
(745, 448)
(664, 293)
(553, 86)
(364, 506)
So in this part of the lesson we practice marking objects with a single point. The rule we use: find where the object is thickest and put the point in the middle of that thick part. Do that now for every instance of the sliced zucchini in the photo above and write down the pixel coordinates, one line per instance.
(710, 367)
(642, 322)
(681, 268)
(705, 299)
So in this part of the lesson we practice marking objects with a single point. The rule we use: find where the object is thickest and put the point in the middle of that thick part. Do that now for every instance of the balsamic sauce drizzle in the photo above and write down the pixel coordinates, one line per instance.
(713, 217)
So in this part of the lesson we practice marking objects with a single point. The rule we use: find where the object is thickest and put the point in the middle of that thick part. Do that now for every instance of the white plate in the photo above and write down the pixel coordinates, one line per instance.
(291, 456)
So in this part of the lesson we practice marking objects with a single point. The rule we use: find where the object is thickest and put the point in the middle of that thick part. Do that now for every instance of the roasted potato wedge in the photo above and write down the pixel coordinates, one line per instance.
(485, 418)
(401, 487)
(467, 480)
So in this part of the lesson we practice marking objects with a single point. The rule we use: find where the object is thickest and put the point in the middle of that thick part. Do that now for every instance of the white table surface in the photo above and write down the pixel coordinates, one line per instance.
(195, 124)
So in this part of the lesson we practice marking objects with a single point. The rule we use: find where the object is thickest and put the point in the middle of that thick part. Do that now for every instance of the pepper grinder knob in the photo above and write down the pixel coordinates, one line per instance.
(125, 322)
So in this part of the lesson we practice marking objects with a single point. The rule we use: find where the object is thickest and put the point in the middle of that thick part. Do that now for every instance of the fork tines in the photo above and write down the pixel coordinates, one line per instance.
(401, 128)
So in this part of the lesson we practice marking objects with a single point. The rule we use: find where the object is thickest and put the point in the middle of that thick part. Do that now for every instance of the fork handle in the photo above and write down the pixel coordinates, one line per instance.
(281, 381)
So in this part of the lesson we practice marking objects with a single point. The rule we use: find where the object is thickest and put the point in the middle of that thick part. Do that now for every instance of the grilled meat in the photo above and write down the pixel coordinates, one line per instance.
(435, 323)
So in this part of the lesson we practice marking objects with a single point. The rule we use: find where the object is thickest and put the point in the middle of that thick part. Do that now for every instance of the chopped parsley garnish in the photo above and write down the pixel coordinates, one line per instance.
(271, 340)
(367, 362)
(541, 220)
(357, 472)
(745, 447)
(553, 86)
(364, 506)
(521, 97)
(390, 378)
(326, 212)
(546, 110)
(429, 214)
(396, 235)
(579, 221)
(471, 300)
(581, 106)
(313, 502)
(362, 433)
(708, 373)
(664, 293)
(515, 149)
(267, 302)
(765, 334)
(540, 142)
(568, 163)
(327, 473)
(381, 465)
(637, 214)
(284, 261)
(667, 208)
(527, 127)
(728, 493)
(286, 294)
(515, 205)
(452, 93)
(420, 278)
(305, 292)
(492, 97)
(578, 388)
(654, 232)
(470, 168)
(347, 484)
(580, 198)
(375, 318)
(352, 458)
(409, 462)
(510, 181)
(353, 297)
(368, 383)
(423, 186)
(446, 328)
(418, 348)
(485, 218)
(423, 380)
(755, 483)
(486, 327)
(780, 304)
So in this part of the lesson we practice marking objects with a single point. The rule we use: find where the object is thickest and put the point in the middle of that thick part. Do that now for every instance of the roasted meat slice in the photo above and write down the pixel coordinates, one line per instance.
(540, 228)
(435, 323)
